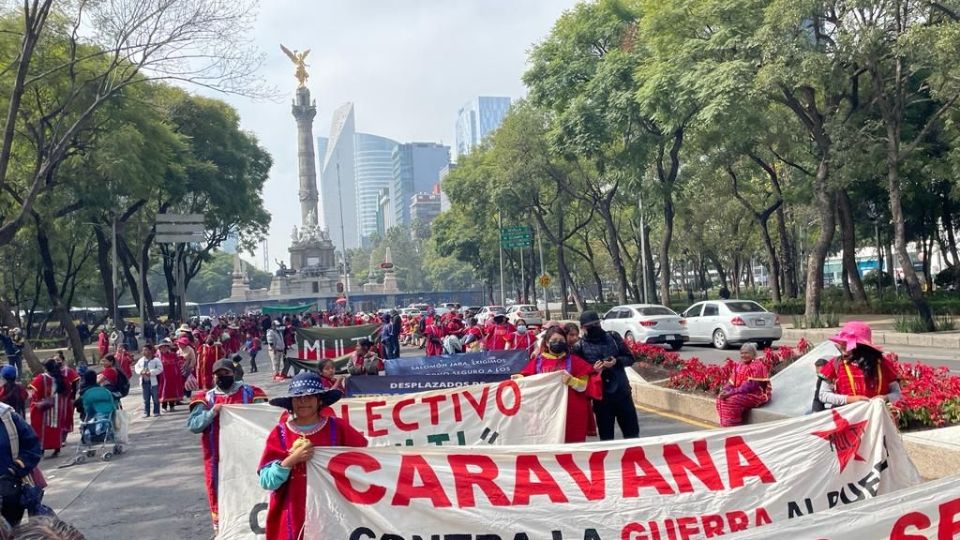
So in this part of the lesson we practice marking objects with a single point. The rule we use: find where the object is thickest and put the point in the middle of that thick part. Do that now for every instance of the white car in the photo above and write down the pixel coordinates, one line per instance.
(647, 323)
(724, 322)
(528, 312)
(411, 312)
(489, 312)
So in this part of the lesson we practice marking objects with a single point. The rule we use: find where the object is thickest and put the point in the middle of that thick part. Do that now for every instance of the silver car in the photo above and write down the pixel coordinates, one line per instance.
(724, 322)
(529, 313)
(647, 323)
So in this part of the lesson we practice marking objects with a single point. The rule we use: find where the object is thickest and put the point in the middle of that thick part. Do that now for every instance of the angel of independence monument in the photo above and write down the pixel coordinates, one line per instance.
(313, 274)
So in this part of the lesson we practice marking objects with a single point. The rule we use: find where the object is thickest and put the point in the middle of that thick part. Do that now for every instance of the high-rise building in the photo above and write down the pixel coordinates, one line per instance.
(480, 116)
(373, 164)
(444, 201)
(338, 190)
(424, 207)
(416, 169)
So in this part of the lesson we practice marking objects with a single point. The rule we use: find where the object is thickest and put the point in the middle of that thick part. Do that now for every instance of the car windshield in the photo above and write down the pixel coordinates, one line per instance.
(652, 311)
(526, 308)
(744, 307)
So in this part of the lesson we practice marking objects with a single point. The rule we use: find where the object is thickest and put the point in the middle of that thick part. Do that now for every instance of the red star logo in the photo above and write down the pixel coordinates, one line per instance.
(844, 439)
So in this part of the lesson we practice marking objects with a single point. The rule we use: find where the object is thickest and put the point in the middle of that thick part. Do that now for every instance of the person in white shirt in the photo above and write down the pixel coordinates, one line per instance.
(148, 367)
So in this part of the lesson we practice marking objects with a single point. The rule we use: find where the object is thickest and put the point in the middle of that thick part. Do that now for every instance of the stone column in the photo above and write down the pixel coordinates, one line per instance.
(303, 111)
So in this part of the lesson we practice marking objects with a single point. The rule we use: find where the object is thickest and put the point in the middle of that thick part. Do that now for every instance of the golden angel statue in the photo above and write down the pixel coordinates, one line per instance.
(298, 58)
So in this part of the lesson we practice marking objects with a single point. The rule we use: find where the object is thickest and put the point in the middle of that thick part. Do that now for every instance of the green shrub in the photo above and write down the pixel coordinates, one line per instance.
(914, 324)
(871, 278)
(949, 276)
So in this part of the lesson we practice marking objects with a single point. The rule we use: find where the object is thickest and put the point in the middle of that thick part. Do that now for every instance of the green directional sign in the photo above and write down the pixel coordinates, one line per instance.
(516, 237)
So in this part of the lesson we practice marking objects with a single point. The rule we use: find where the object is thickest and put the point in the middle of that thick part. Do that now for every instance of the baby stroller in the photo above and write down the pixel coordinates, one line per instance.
(98, 435)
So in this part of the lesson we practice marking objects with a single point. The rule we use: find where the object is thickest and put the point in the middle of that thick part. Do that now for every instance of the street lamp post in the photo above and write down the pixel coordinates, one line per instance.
(114, 280)
(343, 241)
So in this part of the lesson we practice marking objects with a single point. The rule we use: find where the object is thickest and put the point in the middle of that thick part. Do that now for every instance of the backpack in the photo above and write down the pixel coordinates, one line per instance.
(123, 384)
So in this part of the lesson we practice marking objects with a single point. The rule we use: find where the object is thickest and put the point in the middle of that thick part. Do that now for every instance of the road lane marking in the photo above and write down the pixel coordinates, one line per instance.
(676, 417)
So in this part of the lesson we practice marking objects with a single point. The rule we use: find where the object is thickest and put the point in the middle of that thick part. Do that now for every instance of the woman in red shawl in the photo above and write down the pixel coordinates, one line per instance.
(50, 394)
(748, 387)
(283, 465)
(207, 356)
(171, 380)
(578, 375)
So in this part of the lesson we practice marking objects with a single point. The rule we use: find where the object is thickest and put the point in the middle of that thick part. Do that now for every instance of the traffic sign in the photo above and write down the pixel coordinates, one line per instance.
(545, 280)
(179, 228)
(519, 236)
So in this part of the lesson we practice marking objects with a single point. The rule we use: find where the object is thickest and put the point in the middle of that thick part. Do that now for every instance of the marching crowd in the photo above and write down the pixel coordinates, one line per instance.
(200, 365)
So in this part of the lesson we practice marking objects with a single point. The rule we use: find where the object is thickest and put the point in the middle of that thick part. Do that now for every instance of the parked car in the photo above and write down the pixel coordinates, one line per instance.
(528, 312)
(647, 323)
(488, 312)
(725, 322)
(471, 311)
(411, 312)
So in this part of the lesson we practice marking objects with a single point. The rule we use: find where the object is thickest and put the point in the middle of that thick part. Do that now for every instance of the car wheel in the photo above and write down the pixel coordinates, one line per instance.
(765, 344)
(719, 339)
(676, 345)
(629, 337)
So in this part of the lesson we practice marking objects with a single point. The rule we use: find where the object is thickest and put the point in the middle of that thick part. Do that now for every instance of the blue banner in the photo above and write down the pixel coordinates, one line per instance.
(372, 384)
(458, 365)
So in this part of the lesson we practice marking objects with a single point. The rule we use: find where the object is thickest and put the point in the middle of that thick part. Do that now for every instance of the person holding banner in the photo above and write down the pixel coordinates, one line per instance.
(579, 376)
(860, 372)
(283, 465)
(204, 418)
(748, 387)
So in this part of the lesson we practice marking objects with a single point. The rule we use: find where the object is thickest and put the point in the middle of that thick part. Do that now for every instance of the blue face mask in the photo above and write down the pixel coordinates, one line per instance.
(521, 328)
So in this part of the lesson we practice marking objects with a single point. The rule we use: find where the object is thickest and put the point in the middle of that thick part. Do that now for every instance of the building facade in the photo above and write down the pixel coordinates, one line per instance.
(338, 190)
(477, 119)
(416, 169)
(373, 165)
(424, 207)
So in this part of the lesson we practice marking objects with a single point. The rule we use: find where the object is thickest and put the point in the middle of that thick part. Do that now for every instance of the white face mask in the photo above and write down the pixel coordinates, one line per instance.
(521, 328)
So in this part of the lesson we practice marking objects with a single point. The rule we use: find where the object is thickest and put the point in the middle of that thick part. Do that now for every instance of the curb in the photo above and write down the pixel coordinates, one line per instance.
(882, 337)
(933, 460)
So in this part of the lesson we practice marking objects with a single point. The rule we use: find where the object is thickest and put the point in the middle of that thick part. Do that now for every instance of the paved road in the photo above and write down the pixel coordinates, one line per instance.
(155, 489)
(928, 355)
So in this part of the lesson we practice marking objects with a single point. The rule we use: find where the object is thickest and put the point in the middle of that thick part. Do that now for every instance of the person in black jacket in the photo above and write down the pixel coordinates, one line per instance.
(610, 357)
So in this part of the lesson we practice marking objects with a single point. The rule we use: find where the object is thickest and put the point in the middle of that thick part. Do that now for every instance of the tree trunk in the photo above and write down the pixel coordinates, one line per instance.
(593, 268)
(59, 310)
(665, 248)
(786, 256)
(820, 248)
(947, 216)
(849, 246)
(773, 261)
(104, 266)
(613, 245)
(651, 276)
(845, 284)
(910, 279)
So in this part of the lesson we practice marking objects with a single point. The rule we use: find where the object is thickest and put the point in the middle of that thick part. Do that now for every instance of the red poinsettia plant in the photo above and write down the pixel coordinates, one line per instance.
(930, 395)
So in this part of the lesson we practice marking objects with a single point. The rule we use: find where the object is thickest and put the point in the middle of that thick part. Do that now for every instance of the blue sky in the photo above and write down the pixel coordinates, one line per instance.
(406, 65)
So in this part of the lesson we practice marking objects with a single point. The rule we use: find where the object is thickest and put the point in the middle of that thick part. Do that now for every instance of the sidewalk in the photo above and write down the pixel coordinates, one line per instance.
(154, 490)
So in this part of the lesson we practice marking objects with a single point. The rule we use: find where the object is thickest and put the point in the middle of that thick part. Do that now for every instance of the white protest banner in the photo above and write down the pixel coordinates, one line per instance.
(531, 410)
(928, 511)
(684, 486)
